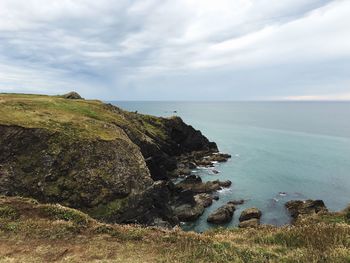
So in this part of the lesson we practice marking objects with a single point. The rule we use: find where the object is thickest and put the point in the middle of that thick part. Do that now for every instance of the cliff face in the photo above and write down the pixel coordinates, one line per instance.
(91, 156)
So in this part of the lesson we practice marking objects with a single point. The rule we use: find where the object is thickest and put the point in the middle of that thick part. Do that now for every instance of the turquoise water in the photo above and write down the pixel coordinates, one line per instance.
(301, 148)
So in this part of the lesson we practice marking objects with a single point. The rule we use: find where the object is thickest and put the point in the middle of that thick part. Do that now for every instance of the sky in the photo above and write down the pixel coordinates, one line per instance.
(177, 49)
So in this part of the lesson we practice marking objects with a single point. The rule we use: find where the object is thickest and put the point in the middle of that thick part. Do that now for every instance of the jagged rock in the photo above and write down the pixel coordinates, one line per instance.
(72, 95)
(188, 213)
(205, 163)
(216, 197)
(307, 207)
(218, 157)
(215, 171)
(183, 172)
(250, 213)
(192, 165)
(253, 222)
(222, 215)
(226, 183)
(192, 179)
(203, 199)
(207, 187)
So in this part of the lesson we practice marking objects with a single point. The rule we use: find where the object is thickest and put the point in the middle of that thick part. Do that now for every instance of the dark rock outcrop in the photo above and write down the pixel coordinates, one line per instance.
(188, 213)
(204, 199)
(110, 180)
(222, 215)
(250, 213)
(72, 96)
(298, 208)
(200, 187)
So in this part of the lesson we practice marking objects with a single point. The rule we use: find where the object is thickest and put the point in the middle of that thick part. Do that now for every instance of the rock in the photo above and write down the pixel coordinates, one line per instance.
(226, 183)
(237, 202)
(307, 207)
(72, 96)
(222, 215)
(254, 222)
(183, 172)
(203, 199)
(205, 163)
(207, 187)
(192, 179)
(218, 157)
(188, 213)
(108, 168)
(216, 197)
(215, 171)
(250, 213)
(192, 165)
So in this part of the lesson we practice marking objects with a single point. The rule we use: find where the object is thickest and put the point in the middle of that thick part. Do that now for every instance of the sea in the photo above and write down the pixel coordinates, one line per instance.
(280, 151)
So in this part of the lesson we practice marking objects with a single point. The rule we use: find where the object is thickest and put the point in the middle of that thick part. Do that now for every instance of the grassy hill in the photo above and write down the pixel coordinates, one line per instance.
(34, 232)
(90, 119)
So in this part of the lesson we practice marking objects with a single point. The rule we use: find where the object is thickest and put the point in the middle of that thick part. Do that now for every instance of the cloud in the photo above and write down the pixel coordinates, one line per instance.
(155, 49)
(328, 97)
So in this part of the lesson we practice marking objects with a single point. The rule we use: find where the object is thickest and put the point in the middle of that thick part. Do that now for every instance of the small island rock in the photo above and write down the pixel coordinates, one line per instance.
(250, 213)
(222, 215)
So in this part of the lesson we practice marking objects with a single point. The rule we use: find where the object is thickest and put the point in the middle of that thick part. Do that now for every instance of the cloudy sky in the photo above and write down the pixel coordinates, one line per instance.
(177, 49)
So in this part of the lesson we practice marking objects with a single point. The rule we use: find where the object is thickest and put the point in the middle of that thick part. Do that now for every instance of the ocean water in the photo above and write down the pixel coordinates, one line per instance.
(300, 148)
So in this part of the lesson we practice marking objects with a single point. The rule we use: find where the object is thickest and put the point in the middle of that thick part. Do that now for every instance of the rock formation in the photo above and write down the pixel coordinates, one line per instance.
(222, 215)
(250, 217)
(113, 164)
(298, 208)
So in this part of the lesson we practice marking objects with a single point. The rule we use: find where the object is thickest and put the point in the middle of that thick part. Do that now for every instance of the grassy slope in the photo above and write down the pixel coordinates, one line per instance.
(33, 232)
(88, 119)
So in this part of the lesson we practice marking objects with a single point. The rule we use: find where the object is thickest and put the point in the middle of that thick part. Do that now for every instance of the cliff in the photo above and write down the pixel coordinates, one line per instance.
(93, 156)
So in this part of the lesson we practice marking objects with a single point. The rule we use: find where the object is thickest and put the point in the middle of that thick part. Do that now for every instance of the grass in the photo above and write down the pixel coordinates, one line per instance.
(45, 233)
(88, 119)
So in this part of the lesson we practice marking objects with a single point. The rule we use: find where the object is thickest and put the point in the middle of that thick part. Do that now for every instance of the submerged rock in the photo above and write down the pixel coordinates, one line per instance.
(237, 202)
(250, 213)
(222, 215)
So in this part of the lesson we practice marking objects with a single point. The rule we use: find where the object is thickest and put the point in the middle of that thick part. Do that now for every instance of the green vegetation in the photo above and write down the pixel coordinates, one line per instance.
(58, 212)
(104, 211)
(46, 233)
(89, 119)
(8, 212)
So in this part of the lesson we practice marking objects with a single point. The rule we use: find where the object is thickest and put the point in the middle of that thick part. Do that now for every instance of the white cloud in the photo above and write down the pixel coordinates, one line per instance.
(138, 43)
(327, 97)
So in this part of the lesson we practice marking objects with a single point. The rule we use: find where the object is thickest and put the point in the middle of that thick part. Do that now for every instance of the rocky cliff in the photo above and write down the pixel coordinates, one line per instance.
(94, 156)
